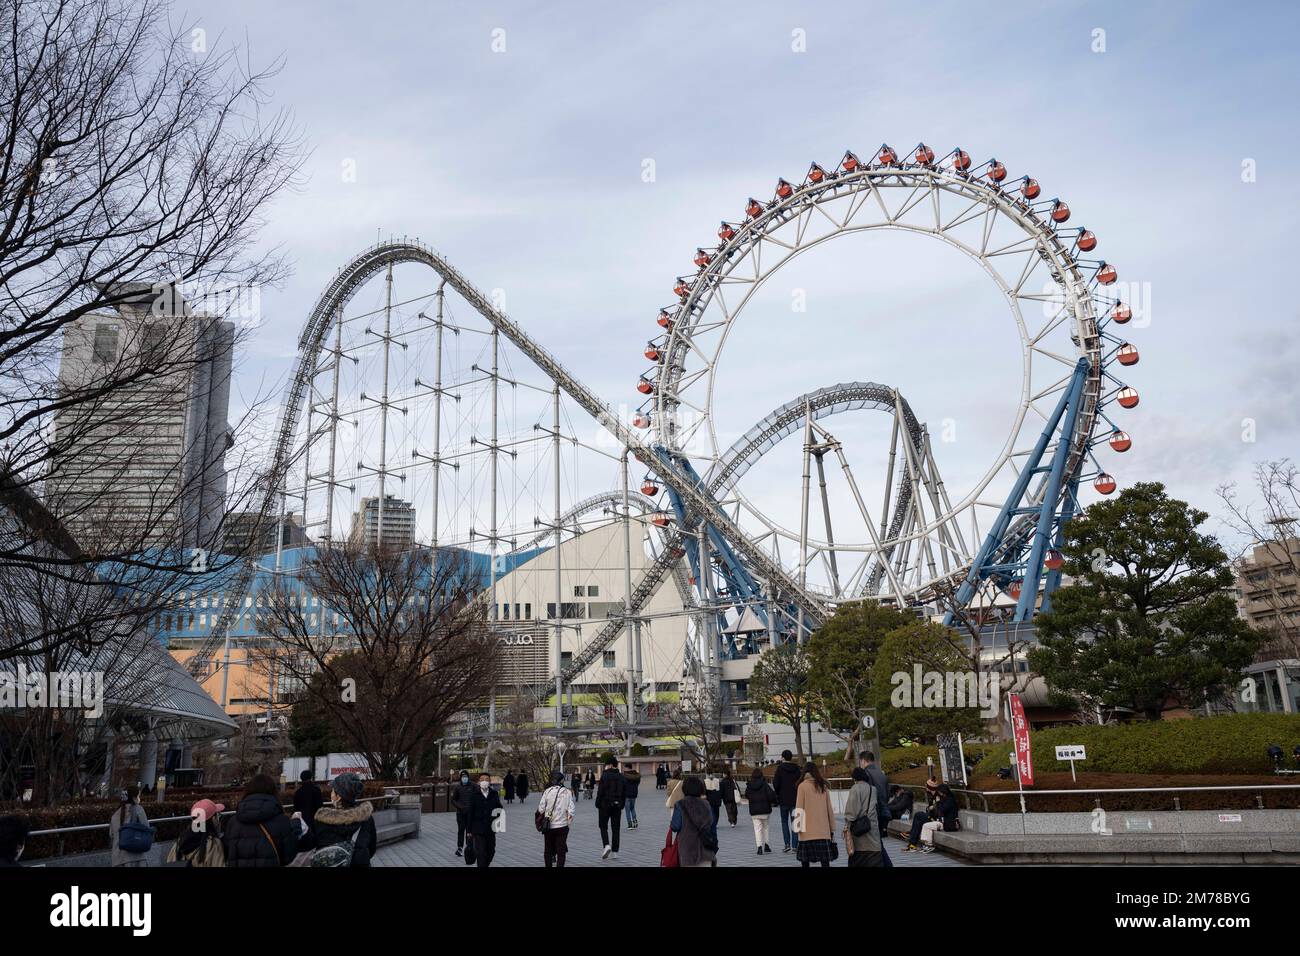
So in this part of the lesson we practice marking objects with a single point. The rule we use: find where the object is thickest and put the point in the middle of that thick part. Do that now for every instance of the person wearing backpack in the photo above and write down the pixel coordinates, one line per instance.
(260, 834)
(344, 834)
(129, 831)
(200, 845)
(760, 797)
(694, 824)
(610, 795)
(554, 815)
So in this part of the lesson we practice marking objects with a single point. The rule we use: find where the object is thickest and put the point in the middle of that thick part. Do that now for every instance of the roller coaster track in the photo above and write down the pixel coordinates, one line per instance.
(310, 343)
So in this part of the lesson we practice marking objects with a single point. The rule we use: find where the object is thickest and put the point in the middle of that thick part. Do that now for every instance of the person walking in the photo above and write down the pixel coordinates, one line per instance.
(13, 838)
(556, 809)
(484, 805)
(200, 844)
(760, 798)
(128, 813)
(817, 839)
(713, 794)
(631, 786)
(259, 834)
(609, 807)
(661, 777)
(346, 824)
(876, 777)
(785, 781)
(521, 785)
(862, 837)
(674, 787)
(576, 783)
(460, 800)
(589, 784)
(729, 788)
(508, 786)
(693, 822)
(307, 799)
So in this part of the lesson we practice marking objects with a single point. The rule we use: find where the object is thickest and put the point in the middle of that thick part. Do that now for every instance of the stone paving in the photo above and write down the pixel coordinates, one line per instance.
(521, 844)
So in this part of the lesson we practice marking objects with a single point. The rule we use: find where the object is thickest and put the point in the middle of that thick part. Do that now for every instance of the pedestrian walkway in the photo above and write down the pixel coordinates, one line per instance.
(521, 844)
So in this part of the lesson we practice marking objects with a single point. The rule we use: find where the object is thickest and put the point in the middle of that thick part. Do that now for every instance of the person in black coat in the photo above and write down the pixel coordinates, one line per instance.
(661, 777)
(347, 819)
(307, 799)
(461, 794)
(13, 837)
(484, 804)
(610, 795)
(521, 785)
(260, 834)
(785, 781)
(508, 785)
(728, 788)
(761, 798)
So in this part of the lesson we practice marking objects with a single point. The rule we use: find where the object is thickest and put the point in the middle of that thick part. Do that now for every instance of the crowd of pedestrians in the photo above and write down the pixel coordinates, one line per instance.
(341, 831)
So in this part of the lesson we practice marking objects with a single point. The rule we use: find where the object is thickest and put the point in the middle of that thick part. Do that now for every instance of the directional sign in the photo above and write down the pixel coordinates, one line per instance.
(1071, 752)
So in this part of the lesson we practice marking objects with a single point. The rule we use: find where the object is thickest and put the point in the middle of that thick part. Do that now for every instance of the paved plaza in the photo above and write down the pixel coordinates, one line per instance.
(521, 844)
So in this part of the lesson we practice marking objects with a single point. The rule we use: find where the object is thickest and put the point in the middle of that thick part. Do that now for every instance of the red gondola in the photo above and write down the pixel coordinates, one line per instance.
(997, 172)
(887, 156)
(1087, 241)
(1029, 188)
(1014, 589)
(1104, 484)
(924, 155)
(850, 161)
(702, 258)
(1119, 441)
(649, 489)
(645, 387)
(725, 232)
(1121, 313)
(641, 420)
(816, 174)
(754, 208)
(1054, 560)
(784, 189)
(681, 288)
(651, 352)
(665, 320)
(1060, 211)
(1127, 354)
(1106, 274)
(660, 519)
(1128, 397)
(961, 160)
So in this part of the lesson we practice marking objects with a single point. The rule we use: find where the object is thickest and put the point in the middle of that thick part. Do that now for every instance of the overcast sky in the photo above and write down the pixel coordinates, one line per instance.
(524, 168)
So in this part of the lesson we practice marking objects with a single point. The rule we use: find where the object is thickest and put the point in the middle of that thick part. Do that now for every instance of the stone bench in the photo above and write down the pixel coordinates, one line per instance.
(1188, 847)
(398, 822)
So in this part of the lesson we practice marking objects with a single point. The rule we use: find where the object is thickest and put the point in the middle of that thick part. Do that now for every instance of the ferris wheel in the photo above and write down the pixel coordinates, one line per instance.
(1066, 317)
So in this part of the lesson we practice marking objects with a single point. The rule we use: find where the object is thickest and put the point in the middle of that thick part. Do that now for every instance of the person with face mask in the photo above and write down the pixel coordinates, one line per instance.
(13, 837)
(484, 808)
(460, 794)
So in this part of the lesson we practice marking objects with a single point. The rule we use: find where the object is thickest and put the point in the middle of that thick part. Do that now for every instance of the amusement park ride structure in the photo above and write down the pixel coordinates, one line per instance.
(921, 548)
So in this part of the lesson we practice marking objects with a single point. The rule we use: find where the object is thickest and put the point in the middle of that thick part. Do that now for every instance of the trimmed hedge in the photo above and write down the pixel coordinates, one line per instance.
(1233, 743)
(1230, 744)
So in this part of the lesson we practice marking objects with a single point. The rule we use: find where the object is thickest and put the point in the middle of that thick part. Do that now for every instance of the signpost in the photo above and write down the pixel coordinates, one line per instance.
(869, 723)
(1071, 752)
(952, 761)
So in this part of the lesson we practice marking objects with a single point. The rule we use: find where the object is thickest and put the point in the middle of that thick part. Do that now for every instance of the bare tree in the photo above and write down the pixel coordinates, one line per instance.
(1270, 523)
(697, 720)
(136, 164)
(390, 644)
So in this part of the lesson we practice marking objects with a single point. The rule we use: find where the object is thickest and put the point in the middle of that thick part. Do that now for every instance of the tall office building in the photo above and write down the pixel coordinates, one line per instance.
(398, 523)
(143, 464)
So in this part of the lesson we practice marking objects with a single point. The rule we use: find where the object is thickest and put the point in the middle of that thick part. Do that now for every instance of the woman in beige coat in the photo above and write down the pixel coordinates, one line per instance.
(817, 818)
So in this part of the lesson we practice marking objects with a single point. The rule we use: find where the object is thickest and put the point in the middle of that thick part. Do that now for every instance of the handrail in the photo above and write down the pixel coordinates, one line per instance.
(104, 826)
(985, 794)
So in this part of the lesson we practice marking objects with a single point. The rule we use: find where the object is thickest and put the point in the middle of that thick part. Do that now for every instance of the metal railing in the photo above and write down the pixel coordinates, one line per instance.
(984, 795)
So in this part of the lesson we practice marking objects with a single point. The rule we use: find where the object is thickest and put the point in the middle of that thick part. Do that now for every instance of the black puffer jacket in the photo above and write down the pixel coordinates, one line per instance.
(247, 845)
(338, 824)
(760, 796)
(785, 781)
